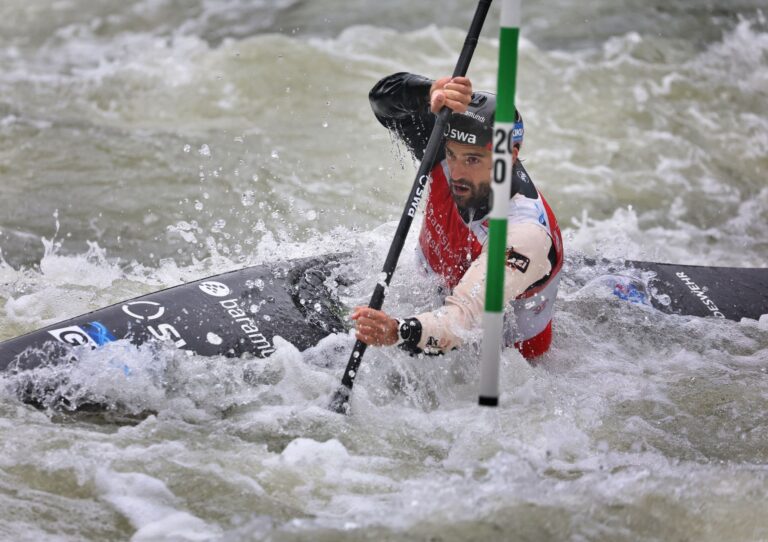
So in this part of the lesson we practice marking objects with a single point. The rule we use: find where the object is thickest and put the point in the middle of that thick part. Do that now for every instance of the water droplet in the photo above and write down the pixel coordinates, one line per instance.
(205, 150)
(311, 215)
(213, 338)
(255, 178)
(267, 318)
(325, 124)
(318, 307)
(187, 148)
(258, 283)
(248, 198)
(274, 154)
(198, 205)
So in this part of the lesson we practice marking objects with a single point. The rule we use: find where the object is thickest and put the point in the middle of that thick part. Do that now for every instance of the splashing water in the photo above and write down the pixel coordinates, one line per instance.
(647, 135)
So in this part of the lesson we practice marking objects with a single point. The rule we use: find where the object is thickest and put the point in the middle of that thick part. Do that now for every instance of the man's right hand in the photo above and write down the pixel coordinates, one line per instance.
(452, 92)
(374, 328)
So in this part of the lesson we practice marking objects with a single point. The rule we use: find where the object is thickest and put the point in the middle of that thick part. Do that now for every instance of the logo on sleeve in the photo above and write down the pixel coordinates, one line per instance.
(432, 348)
(515, 260)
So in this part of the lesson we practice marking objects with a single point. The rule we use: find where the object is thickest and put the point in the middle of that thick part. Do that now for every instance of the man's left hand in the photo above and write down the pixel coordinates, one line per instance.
(452, 92)
(374, 328)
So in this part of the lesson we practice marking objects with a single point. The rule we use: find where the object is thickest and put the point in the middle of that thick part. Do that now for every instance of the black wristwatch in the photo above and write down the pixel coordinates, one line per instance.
(408, 334)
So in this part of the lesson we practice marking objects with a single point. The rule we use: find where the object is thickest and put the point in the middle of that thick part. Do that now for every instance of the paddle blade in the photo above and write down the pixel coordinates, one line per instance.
(340, 400)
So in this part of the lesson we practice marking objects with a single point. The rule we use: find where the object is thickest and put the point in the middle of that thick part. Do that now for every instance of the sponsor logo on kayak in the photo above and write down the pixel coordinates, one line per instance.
(99, 333)
(152, 310)
(627, 291)
(73, 336)
(144, 310)
(248, 326)
(215, 289)
(92, 334)
(699, 292)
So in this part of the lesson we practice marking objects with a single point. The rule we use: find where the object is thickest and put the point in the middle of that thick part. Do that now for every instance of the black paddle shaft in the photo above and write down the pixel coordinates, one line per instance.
(341, 397)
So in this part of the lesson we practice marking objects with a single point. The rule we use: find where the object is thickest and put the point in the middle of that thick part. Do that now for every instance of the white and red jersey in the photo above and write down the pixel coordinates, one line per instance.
(448, 246)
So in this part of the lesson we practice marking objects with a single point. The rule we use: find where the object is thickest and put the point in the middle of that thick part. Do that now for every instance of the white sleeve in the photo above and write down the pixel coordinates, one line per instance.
(459, 318)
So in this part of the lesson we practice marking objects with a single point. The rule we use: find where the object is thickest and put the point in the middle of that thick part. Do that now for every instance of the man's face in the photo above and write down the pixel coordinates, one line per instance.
(470, 168)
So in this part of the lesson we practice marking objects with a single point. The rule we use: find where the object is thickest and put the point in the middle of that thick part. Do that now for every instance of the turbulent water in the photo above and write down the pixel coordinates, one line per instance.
(148, 143)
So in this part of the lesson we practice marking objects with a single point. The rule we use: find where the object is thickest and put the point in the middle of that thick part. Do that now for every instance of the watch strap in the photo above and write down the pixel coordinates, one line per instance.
(409, 335)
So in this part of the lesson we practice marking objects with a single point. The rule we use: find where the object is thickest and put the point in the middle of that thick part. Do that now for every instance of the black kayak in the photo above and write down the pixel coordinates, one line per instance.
(730, 293)
(243, 311)
(228, 314)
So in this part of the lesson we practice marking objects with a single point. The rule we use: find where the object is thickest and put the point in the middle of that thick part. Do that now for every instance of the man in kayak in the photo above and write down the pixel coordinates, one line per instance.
(453, 235)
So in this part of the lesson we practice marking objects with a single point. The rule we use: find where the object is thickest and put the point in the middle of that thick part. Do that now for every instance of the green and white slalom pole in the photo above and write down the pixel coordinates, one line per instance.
(503, 141)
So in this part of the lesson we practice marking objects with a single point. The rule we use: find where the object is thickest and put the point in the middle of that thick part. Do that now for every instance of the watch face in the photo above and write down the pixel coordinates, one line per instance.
(404, 331)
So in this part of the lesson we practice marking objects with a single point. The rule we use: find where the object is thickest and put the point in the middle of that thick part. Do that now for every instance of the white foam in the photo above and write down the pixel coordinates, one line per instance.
(304, 451)
(150, 507)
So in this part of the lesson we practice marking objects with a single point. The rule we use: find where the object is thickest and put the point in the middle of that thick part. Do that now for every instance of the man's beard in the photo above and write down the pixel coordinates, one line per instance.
(474, 203)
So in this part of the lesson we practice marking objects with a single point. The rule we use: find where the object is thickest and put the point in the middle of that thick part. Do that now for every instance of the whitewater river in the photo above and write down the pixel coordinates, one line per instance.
(145, 143)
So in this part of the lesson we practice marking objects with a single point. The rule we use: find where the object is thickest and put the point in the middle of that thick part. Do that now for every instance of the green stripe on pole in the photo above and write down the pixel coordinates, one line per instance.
(505, 105)
(493, 317)
(497, 250)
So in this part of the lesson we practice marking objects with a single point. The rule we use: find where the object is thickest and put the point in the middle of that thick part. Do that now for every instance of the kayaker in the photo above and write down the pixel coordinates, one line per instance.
(452, 242)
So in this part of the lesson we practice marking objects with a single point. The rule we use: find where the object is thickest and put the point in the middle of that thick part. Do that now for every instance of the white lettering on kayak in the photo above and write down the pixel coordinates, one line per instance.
(698, 292)
(248, 326)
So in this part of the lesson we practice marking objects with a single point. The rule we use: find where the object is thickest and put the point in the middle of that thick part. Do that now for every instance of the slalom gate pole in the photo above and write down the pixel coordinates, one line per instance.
(340, 400)
(503, 134)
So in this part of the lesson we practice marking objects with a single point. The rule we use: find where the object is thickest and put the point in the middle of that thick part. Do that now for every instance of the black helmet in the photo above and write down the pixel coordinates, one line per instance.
(475, 125)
